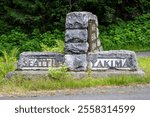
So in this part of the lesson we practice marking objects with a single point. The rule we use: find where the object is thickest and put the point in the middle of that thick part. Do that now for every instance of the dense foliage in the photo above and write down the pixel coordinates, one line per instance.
(32, 25)
(46, 15)
(33, 42)
(134, 35)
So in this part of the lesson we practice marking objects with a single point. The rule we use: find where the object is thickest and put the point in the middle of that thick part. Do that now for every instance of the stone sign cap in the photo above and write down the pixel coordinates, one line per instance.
(79, 20)
(39, 60)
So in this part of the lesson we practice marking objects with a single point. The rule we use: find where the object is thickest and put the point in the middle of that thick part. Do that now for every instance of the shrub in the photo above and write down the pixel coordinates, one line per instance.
(133, 35)
(14, 39)
(49, 38)
(18, 39)
(59, 47)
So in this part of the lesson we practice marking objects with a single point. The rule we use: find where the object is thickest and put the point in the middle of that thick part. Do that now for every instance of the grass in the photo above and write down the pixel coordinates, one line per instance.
(18, 84)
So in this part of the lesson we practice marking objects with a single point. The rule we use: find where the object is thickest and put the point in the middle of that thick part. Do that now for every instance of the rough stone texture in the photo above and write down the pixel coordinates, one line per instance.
(28, 74)
(106, 74)
(81, 34)
(76, 48)
(79, 20)
(39, 60)
(100, 45)
(76, 75)
(116, 59)
(99, 42)
(76, 35)
(76, 62)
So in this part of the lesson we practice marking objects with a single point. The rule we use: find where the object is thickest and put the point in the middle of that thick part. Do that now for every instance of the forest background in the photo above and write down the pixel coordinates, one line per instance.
(35, 25)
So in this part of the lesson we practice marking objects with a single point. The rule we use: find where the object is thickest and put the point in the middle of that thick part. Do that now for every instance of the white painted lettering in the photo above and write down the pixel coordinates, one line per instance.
(109, 63)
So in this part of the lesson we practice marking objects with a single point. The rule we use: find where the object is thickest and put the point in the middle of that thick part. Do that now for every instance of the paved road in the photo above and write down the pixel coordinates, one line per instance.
(140, 92)
(143, 54)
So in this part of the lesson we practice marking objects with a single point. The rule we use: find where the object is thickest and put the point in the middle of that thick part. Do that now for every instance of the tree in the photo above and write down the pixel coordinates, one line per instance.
(41, 14)
(47, 15)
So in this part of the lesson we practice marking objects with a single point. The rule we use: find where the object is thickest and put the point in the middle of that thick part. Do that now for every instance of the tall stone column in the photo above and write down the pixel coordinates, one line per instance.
(81, 37)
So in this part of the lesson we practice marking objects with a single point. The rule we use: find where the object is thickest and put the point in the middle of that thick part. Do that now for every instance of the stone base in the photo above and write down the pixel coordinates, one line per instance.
(104, 74)
(28, 74)
(94, 74)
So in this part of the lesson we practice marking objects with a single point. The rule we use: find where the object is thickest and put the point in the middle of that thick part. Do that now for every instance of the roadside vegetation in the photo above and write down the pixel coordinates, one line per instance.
(59, 79)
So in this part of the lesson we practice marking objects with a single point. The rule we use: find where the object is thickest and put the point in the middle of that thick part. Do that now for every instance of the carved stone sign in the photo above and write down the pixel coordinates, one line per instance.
(39, 60)
(119, 60)
(109, 63)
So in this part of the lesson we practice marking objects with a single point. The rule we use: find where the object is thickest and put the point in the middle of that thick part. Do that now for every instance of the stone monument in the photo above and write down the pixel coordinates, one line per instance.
(83, 52)
(81, 37)
(39, 60)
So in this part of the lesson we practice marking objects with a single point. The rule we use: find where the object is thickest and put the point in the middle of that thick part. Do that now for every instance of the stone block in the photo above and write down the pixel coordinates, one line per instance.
(76, 62)
(39, 60)
(76, 75)
(116, 59)
(79, 20)
(76, 35)
(105, 74)
(76, 48)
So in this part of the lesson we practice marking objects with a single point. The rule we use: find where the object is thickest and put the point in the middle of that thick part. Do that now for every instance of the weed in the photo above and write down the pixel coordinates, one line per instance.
(59, 73)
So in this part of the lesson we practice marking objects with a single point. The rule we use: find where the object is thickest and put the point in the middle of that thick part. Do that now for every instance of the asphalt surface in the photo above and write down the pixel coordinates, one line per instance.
(138, 92)
(143, 54)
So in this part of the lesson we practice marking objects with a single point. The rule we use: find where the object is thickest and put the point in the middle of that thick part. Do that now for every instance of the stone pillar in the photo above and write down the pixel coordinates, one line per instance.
(81, 37)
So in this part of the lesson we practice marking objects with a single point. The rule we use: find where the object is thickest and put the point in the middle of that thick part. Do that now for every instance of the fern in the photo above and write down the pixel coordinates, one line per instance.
(7, 62)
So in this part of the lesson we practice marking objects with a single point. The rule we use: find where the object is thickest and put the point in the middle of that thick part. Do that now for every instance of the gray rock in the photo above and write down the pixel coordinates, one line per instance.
(76, 75)
(116, 59)
(79, 20)
(76, 48)
(76, 35)
(28, 74)
(76, 62)
(39, 60)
